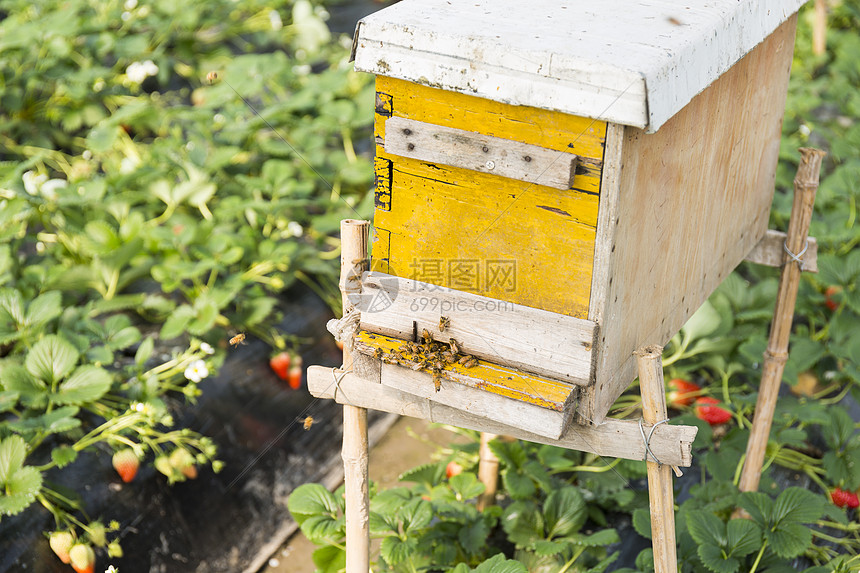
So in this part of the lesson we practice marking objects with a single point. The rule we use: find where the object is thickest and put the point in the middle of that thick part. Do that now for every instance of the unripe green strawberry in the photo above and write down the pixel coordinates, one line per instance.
(125, 462)
(83, 559)
(61, 542)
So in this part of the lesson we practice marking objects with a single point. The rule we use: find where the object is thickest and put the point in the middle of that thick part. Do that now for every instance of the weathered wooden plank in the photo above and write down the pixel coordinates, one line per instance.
(769, 252)
(501, 332)
(613, 438)
(478, 152)
(694, 199)
(486, 376)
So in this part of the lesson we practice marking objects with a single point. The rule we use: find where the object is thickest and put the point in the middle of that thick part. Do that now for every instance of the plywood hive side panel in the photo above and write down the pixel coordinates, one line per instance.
(694, 199)
(480, 233)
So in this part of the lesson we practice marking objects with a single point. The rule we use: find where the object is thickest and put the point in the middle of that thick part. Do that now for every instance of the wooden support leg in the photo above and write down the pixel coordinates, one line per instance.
(805, 186)
(488, 471)
(353, 261)
(660, 492)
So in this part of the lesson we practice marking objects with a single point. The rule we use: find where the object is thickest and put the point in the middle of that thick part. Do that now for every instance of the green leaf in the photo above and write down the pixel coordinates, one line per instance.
(518, 484)
(600, 538)
(789, 539)
(177, 322)
(743, 537)
(642, 522)
(546, 548)
(86, 384)
(51, 359)
(703, 322)
(144, 351)
(311, 499)
(59, 420)
(12, 305)
(13, 452)
(839, 430)
(705, 527)
(383, 524)
(320, 529)
(466, 486)
(330, 559)
(102, 137)
(44, 307)
(473, 536)
(797, 505)
(604, 563)
(416, 514)
(564, 512)
(63, 455)
(8, 399)
(758, 505)
(15, 378)
(499, 564)
(715, 560)
(21, 489)
(523, 523)
(395, 550)
(428, 474)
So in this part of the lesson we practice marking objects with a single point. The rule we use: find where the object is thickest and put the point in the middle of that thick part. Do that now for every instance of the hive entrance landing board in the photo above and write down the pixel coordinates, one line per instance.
(480, 232)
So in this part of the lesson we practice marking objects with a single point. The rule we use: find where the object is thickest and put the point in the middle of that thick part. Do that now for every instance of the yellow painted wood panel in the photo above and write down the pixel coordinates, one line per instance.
(494, 236)
(507, 382)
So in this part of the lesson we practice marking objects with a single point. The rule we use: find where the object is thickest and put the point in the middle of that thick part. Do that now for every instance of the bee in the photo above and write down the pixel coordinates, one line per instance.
(444, 321)
(439, 365)
(307, 423)
(425, 334)
(437, 382)
(417, 366)
(377, 353)
(449, 357)
(471, 362)
(211, 77)
(455, 347)
(237, 340)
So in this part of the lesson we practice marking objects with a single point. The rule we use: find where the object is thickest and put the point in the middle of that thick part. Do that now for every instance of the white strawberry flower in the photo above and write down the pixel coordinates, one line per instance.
(197, 371)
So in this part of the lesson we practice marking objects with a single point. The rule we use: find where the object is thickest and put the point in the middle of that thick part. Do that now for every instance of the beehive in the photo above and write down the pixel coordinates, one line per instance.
(592, 171)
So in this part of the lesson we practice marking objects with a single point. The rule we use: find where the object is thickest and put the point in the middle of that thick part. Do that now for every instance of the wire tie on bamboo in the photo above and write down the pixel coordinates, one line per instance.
(337, 379)
(796, 258)
(647, 440)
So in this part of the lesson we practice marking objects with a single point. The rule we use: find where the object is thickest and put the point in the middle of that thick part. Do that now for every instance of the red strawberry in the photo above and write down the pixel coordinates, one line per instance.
(828, 297)
(452, 469)
(125, 462)
(714, 415)
(681, 392)
(842, 498)
(61, 542)
(280, 363)
(295, 373)
(82, 558)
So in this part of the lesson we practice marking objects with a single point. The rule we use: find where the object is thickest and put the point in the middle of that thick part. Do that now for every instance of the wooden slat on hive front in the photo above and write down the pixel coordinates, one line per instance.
(485, 153)
(538, 341)
(464, 230)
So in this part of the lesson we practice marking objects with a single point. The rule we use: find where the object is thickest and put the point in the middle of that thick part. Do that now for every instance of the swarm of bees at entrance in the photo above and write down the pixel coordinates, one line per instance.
(428, 355)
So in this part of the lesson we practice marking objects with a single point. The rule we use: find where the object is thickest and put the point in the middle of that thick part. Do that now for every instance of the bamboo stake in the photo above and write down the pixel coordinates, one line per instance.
(353, 261)
(661, 496)
(819, 28)
(776, 355)
(488, 471)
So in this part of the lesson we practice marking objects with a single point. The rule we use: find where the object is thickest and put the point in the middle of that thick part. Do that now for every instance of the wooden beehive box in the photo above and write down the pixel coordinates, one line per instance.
(578, 176)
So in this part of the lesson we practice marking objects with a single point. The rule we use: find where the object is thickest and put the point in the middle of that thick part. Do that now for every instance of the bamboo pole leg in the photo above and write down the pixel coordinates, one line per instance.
(819, 28)
(776, 355)
(353, 260)
(660, 493)
(488, 471)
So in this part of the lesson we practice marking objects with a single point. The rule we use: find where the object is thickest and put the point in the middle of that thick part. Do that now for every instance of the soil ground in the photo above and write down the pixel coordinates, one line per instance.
(410, 442)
